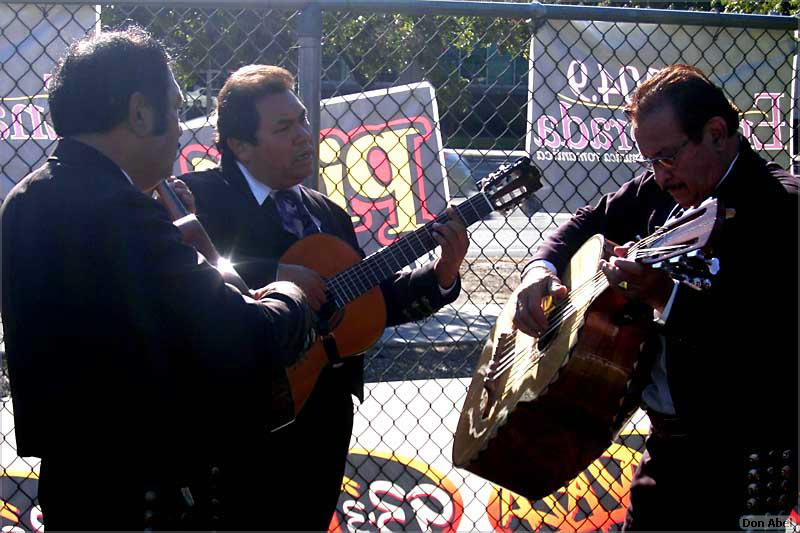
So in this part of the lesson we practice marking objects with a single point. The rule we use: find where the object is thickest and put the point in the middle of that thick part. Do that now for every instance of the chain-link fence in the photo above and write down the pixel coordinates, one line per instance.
(414, 102)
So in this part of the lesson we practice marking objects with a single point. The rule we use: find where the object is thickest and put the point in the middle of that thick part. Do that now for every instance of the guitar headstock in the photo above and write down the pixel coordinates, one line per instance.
(682, 246)
(510, 184)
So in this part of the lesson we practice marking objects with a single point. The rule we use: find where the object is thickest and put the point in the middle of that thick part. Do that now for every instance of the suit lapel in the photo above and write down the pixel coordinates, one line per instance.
(236, 179)
(316, 209)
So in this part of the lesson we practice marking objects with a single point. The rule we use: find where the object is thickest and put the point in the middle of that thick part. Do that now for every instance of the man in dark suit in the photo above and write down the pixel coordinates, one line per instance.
(721, 396)
(267, 149)
(129, 357)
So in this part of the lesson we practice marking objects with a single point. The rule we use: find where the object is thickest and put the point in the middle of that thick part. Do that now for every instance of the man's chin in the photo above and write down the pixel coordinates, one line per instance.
(682, 197)
(303, 171)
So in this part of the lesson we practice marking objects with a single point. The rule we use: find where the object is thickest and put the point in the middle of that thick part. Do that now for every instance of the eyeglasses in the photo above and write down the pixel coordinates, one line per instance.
(666, 162)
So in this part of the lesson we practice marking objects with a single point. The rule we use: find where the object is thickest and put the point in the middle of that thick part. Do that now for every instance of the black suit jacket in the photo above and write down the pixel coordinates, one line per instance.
(122, 347)
(253, 237)
(732, 350)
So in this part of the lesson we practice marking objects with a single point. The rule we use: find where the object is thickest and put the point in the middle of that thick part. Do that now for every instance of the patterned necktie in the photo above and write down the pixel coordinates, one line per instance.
(294, 216)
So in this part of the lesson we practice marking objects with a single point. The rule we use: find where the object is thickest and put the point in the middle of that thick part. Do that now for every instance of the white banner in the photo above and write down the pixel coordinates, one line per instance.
(582, 72)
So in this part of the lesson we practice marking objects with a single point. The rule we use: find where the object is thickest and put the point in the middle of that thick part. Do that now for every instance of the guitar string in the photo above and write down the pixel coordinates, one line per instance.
(362, 270)
(563, 309)
(354, 281)
(512, 357)
(366, 278)
(511, 362)
(520, 372)
(566, 309)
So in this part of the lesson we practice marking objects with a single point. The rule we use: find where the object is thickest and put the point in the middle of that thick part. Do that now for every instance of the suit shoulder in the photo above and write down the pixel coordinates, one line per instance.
(21, 188)
(204, 178)
(323, 201)
(789, 182)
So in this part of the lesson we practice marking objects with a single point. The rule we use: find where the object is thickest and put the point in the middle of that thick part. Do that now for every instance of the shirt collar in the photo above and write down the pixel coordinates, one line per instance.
(261, 191)
(128, 177)
(727, 172)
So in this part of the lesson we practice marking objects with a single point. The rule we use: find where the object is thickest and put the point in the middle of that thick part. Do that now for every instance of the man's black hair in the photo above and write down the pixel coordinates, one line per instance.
(92, 84)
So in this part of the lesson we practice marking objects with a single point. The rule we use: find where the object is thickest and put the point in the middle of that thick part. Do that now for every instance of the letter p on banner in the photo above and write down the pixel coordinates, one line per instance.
(381, 161)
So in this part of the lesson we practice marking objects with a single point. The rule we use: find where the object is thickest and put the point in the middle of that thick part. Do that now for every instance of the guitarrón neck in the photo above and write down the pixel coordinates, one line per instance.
(351, 283)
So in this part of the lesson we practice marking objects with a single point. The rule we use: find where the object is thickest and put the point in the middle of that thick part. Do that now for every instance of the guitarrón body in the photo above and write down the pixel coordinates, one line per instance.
(539, 411)
(550, 418)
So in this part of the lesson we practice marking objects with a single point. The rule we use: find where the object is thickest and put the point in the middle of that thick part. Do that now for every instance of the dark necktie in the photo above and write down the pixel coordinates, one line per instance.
(294, 216)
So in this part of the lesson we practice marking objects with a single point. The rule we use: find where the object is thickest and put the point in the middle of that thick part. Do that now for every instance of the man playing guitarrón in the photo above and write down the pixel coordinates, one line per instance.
(255, 209)
(130, 358)
(721, 393)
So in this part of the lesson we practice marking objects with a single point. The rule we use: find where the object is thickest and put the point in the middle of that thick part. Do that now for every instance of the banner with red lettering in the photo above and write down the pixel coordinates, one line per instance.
(582, 73)
(380, 160)
(33, 38)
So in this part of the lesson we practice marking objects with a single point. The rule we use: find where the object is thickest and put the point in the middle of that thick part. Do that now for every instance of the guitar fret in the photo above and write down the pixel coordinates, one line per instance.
(371, 271)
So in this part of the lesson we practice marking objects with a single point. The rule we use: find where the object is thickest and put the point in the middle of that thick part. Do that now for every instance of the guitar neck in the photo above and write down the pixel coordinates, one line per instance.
(351, 283)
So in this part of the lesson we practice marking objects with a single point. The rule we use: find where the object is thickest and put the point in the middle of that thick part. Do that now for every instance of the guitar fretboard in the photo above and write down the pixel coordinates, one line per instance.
(351, 283)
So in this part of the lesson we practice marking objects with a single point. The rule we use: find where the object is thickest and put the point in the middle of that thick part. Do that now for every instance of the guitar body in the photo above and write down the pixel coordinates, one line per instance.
(361, 323)
(558, 407)
(353, 283)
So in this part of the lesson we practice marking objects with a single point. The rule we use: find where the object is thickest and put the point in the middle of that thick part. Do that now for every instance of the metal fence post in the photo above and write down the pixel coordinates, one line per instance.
(794, 114)
(309, 74)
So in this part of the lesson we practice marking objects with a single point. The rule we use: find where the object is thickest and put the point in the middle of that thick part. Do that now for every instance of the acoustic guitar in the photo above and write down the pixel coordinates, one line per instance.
(540, 411)
(355, 316)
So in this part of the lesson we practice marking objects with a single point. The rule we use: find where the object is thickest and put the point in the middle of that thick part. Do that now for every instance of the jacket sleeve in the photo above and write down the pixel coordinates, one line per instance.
(610, 216)
(236, 349)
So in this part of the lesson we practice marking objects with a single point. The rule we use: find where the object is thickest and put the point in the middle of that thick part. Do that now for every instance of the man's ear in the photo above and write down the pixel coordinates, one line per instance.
(717, 129)
(141, 116)
(242, 150)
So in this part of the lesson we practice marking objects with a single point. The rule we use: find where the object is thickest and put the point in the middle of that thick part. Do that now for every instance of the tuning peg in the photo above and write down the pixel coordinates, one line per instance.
(659, 265)
(675, 259)
(713, 265)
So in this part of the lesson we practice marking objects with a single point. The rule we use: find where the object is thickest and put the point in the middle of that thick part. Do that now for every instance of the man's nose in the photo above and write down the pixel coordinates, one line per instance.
(303, 133)
(662, 174)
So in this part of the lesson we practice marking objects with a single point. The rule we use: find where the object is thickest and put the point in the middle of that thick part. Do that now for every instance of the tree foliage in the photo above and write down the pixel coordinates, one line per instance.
(362, 51)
